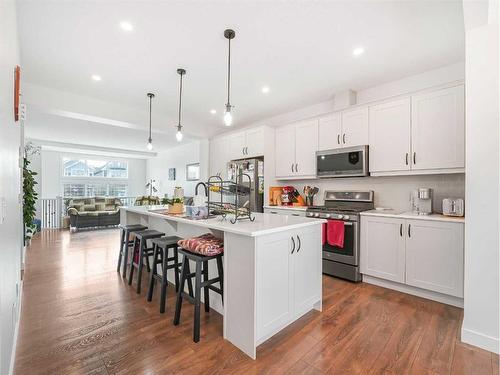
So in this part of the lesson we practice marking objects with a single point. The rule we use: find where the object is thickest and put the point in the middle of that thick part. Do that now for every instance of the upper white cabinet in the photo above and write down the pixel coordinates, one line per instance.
(219, 156)
(237, 144)
(355, 127)
(246, 144)
(296, 147)
(421, 134)
(390, 136)
(427, 254)
(330, 132)
(438, 129)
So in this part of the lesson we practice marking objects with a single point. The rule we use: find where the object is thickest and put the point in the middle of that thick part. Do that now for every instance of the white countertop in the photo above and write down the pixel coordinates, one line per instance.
(296, 208)
(263, 224)
(411, 215)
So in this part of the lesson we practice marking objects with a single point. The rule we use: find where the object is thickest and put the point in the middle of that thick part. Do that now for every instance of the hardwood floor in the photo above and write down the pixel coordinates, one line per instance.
(80, 317)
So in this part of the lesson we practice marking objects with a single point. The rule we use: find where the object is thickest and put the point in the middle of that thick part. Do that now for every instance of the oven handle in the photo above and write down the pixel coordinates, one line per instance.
(345, 222)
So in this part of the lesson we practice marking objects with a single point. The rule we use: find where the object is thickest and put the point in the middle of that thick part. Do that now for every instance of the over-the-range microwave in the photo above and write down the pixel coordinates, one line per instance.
(342, 162)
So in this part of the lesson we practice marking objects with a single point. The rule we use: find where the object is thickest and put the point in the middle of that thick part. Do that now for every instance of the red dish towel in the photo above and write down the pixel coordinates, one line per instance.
(335, 233)
(323, 234)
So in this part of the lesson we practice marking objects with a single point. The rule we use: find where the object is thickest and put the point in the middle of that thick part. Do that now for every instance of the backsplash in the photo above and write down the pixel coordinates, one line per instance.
(391, 192)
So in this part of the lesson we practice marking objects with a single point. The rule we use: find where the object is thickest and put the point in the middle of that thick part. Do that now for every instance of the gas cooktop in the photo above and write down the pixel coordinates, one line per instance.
(345, 205)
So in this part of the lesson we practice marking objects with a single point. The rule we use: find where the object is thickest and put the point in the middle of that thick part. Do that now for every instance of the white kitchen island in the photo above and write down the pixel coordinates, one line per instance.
(272, 269)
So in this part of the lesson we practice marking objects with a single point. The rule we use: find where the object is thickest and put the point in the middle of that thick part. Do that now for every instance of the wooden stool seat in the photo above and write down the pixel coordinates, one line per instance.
(207, 285)
(141, 253)
(125, 243)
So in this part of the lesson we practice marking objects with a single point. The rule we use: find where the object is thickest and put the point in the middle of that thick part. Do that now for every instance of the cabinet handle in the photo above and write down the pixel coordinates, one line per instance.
(273, 212)
(246, 150)
(296, 167)
(409, 230)
(293, 242)
(406, 158)
(295, 215)
(338, 138)
(298, 240)
(343, 138)
(401, 229)
(414, 158)
(292, 167)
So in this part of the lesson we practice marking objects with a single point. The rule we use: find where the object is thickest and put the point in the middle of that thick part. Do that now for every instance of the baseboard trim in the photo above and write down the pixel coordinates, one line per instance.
(439, 297)
(16, 330)
(489, 343)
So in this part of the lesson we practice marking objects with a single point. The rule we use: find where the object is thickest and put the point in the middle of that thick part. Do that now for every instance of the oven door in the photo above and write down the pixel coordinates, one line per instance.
(348, 254)
(344, 162)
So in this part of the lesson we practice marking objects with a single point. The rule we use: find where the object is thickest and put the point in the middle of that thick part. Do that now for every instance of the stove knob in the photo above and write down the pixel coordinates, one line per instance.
(310, 214)
(327, 215)
(316, 215)
(346, 217)
(340, 216)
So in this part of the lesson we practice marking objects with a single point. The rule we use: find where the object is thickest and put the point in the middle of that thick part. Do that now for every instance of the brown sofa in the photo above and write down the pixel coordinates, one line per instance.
(94, 212)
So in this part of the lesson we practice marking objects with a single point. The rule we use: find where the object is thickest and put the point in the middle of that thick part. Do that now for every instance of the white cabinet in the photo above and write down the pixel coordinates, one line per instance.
(330, 132)
(383, 248)
(288, 277)
(438, 129)
(355, 127)
(219, 156)
(296, 147)
(427, 254)
(254, 142)
(237, 144)
(434, 256)
(284, 211)
(389, 134)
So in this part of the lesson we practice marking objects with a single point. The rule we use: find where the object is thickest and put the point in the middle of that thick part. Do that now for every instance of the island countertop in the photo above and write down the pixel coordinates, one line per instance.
(263, 224)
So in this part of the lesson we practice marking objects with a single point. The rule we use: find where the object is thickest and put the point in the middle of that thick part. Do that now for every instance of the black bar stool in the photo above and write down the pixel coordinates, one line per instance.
(161, 247)
(141, 253)
(125, 243)
(201, 270)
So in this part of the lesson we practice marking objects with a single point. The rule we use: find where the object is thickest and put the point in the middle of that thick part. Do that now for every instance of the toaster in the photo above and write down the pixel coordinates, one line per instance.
(453, 207)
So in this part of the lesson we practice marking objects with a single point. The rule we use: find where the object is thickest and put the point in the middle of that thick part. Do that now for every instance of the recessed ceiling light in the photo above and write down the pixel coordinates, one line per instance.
(96, 77)
(358, 51)
(213, 111)
(265, 89)
(127, 26)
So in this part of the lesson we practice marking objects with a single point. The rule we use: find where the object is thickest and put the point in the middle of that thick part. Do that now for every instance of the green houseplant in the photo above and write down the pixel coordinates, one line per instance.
(29, 199)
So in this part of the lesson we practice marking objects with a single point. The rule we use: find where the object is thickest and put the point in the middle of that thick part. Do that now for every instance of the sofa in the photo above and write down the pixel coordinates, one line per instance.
(94, 212)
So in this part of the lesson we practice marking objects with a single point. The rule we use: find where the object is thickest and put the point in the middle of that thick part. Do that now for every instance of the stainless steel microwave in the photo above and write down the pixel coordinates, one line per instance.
(342, 162)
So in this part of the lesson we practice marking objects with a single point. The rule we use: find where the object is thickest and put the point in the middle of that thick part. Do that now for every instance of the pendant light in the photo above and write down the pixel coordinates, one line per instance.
(178, 135)
(150, 140)
(228, 117)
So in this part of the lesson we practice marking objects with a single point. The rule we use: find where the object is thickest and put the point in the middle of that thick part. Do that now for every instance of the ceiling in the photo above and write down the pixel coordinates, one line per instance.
(301, 50)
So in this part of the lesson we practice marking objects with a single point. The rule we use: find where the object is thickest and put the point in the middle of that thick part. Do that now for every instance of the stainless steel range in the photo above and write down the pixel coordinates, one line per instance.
(345, 206)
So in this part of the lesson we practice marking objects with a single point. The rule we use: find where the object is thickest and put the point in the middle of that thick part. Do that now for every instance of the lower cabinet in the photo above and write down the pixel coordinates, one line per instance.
(421, 253)
(288, 278)
(285, 211)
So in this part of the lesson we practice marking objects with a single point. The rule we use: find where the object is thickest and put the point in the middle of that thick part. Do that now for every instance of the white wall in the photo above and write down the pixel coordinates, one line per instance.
(50, 179)
(481, 295)
(178, 157)
(11, 230)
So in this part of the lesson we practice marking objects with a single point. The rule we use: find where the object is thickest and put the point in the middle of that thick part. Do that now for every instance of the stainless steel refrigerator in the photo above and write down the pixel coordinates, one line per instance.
(251, 193)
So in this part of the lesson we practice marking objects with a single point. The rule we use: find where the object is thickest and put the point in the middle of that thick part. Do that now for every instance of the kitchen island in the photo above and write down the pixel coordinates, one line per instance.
(272, 268)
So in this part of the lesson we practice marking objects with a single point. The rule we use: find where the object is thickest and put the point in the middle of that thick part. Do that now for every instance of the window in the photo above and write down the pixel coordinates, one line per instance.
(93, 190)
(94, 168)
(74, 190)
(193, 172)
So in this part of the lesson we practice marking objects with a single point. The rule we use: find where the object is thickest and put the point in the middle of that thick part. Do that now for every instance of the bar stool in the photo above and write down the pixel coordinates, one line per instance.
(125, 243)
(201, 270)
(141, 253)
(161, 247)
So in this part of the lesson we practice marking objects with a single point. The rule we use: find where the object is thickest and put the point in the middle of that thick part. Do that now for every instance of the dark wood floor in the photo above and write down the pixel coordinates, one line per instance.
(80, 317)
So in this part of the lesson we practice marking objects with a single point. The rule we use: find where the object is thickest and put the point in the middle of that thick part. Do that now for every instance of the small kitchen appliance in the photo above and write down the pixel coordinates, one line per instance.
(421, 201)
(345, 206)
(342, 162)
(453, 207)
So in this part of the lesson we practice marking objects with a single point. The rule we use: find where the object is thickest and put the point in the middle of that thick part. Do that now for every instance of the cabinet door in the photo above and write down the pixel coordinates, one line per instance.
(306, 145)
(285, 151)
(254, 142)
(355, 127)
(438, 129)
(389, 134)
(219, 156)
(330, 132)
(237, 146)
(285, 211)
(383, 248)
(307, 269)
(274, 282)
(435, 256)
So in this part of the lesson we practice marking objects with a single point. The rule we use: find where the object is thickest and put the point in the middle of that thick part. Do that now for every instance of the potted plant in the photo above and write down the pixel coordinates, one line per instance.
(29, 201)
(175, 205)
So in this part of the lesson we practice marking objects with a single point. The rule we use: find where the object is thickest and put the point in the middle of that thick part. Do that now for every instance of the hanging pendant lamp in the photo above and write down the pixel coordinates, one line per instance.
(150, 140)
(179, 135)
(228, 117)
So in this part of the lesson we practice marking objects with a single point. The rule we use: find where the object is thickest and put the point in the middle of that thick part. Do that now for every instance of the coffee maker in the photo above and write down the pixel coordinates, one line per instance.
(421, 201)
